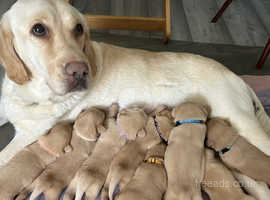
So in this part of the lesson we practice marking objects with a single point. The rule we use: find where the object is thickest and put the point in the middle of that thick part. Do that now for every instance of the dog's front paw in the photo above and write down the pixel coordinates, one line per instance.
(87, 181)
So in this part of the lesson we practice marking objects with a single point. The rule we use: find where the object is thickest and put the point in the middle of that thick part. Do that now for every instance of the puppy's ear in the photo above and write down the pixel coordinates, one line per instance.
(206, 109)
(160, 108)
(15, 69)
(141, 133)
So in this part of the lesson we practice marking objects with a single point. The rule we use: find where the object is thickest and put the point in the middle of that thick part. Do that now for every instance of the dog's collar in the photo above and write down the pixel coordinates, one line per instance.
(225, 150)
(192, 121)
(154, 160)
(229, 147)
(159, 131)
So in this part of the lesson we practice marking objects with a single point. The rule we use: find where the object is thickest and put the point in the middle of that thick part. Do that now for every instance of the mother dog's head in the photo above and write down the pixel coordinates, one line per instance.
(48, 40)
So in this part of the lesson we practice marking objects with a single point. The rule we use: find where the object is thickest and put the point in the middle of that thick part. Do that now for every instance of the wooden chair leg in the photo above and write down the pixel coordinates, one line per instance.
(167, 17)
(264, 55)
(221, 11)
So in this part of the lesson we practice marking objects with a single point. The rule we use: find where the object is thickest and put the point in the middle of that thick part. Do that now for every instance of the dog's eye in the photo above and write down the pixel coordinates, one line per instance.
(79, 29)
(39, 30)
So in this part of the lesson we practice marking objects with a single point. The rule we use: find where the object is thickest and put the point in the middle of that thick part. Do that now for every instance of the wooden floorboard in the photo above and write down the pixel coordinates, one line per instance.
(256, 29)
(180, 27)
(262, 9)
(136, 8)
(236, 23)
(155, 9)
(199, 16)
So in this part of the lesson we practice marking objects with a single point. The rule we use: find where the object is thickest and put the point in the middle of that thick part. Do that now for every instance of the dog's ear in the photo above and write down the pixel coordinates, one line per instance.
(160, 108)
(15, 69)
(90, 54)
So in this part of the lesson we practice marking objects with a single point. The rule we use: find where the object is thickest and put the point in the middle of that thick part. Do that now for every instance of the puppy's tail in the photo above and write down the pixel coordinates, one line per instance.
(259, 111)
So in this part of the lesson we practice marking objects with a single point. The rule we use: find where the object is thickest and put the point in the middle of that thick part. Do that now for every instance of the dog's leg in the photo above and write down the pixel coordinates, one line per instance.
(259, 190)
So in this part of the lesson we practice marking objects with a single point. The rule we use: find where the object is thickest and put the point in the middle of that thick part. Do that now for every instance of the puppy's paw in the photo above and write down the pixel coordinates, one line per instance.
(87, 181)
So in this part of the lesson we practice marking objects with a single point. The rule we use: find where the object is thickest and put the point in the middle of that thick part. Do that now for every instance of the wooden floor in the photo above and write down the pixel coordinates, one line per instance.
(245, 22)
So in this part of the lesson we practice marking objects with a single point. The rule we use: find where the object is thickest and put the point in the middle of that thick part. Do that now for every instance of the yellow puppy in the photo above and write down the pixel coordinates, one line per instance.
(236, 152)
(219, 182)
(150, 179)
(184, 157)
(27, 165)
(132, 122)
(92, 174)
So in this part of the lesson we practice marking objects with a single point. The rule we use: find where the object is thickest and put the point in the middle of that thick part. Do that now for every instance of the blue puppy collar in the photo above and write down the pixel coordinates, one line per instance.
(192, 121)
(225, 150)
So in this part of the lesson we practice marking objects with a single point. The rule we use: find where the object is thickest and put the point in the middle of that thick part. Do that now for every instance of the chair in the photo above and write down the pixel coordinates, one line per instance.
(106, 22)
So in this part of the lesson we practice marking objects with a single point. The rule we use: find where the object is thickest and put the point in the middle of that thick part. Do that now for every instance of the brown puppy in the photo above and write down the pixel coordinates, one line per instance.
(57, 142)
(150, 179)
(133, 122)
(92, 174)
(58, 174)
(236, 152)
(27, 165)
(89, 124)
(184, 157)
(219, 182)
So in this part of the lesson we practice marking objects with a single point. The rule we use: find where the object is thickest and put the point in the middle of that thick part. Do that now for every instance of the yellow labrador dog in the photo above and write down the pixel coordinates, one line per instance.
(54, 71)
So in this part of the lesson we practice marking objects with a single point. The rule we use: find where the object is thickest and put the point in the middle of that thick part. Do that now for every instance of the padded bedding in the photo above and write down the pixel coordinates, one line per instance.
(261, 86)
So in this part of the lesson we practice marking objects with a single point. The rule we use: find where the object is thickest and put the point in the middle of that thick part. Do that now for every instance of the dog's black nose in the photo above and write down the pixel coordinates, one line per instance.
(77, 74)
(78, 70)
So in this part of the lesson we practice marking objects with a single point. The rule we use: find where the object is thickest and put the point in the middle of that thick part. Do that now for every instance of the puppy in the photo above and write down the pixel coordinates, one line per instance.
(219, 182)
(236, 152)
(184, 157)
(89, 124)
(27, 165)
(92, 174)
(150, 179)
(132, 154)
(59, 174)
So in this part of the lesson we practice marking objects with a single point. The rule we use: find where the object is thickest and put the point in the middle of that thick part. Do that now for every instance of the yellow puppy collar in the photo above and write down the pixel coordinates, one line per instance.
(154, 160)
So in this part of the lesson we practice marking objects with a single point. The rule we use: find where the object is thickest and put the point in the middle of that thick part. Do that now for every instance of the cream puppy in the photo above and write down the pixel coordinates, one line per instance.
(42, 88)
(92, 174)
(219, 182)
(29, 163)
(150, 179)
(236, 152)
(132, 154)
(184, 157)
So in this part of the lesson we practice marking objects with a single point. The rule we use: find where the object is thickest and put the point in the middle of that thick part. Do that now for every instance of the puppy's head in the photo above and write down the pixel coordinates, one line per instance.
(88, 124)
(220, 133)
(46, 40)
(132, 121)
(189, 111)
(165, 121)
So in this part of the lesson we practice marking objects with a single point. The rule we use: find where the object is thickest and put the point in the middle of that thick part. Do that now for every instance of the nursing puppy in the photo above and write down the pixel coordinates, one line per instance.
(92, 174)
(150, 179)
(236, 152)
(185, 157)
(28, 164)
(59, 174)
(219, 182)
(42, 88)
(132, 154)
